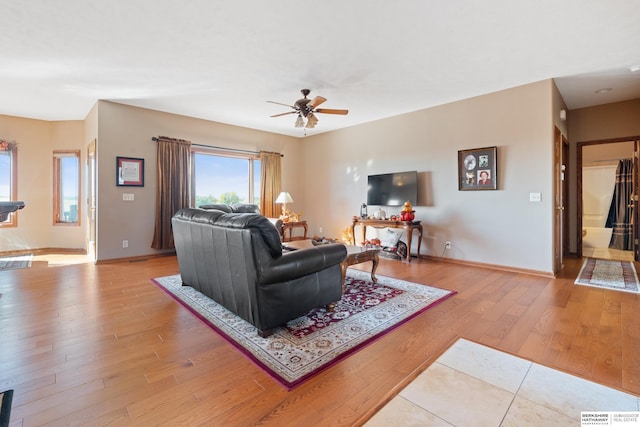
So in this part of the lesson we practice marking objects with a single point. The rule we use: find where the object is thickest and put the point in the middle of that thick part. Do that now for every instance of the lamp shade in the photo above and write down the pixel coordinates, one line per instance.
(284, 197)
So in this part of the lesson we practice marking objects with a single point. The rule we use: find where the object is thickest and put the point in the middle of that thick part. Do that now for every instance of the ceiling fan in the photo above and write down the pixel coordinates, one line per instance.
(305, 109)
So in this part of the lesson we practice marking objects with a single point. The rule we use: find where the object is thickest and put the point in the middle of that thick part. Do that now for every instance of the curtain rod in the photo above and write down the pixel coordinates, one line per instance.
(235, 150)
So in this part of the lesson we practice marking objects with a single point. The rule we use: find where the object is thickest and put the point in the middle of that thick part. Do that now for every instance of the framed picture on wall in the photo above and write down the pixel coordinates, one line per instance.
(477, 169)
(129, 172)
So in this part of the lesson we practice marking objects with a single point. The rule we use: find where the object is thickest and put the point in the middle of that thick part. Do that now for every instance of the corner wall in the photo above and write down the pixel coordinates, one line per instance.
(36, 141)
(127, 131)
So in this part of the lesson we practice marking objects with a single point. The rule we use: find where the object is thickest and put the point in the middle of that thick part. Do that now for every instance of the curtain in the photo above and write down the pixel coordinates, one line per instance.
(174, 175)
(270, 183)
(621, 212)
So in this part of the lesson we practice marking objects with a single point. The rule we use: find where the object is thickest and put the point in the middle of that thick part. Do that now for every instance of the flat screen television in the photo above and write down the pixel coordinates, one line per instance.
(392, 189)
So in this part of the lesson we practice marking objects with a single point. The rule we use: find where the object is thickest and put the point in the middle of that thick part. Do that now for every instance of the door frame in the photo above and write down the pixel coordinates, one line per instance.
(92, 164)
(579, 192)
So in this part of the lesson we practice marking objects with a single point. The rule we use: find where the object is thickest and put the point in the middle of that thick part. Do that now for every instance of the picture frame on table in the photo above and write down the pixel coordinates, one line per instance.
(129, 172)
(477, 169)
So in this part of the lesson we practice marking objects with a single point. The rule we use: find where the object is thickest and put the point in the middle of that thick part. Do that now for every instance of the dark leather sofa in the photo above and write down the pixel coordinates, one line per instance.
(236, 259)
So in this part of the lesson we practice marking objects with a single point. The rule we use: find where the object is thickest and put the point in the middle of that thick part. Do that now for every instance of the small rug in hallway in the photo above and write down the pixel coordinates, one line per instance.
(608, 274)
(320, 339)
(15, 262)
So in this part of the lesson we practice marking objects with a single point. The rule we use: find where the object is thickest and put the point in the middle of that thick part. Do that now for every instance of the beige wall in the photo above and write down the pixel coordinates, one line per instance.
(609, 121)
(492, 227)
(36, 141)
(326, 173)
(127, 131)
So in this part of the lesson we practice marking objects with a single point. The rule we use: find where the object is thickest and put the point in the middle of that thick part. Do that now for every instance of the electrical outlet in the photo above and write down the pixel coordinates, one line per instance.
(125, 243)
(447, 245)
(320, 230)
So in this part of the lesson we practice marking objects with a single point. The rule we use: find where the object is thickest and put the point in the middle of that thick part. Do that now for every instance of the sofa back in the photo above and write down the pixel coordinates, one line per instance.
(234, 208)
(216, 218)
(244, 208)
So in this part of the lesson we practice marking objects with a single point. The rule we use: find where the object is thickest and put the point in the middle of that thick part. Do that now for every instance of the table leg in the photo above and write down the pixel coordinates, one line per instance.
(419, 238)
(374, 260)
(343, 273)
(409, 232)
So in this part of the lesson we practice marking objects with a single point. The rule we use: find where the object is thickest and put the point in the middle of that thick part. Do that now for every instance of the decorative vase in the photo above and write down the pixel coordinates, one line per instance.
(407, 215)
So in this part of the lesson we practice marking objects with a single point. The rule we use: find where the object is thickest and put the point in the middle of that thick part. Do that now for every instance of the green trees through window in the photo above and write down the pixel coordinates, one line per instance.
(224, 179)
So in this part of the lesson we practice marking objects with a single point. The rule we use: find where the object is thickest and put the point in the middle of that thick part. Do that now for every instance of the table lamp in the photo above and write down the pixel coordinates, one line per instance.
(284, 198)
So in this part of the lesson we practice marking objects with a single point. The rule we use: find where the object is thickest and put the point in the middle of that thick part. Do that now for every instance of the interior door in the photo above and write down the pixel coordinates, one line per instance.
(558, 201)
(565, 192)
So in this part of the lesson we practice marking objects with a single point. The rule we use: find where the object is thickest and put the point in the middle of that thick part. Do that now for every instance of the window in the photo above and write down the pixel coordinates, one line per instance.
(8, 184)
(66, 187)
(220, 178)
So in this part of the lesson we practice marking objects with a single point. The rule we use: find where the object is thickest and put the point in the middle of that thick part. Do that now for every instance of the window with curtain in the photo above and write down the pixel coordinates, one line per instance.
(66, 187)
(223, 178)
(8, 179)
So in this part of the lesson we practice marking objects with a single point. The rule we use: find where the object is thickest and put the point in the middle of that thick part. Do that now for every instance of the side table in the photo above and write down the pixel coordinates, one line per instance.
(290, 226)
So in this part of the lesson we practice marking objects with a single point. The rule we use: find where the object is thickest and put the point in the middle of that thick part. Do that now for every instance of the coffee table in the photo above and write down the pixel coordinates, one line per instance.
(355, 255)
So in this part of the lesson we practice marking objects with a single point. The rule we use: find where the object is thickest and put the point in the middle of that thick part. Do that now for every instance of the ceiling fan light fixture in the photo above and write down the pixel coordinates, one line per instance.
(312, 120)
(305, 109)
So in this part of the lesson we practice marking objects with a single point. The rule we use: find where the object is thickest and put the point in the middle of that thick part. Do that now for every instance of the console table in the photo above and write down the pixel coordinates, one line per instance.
(409, 227)
(290, 226)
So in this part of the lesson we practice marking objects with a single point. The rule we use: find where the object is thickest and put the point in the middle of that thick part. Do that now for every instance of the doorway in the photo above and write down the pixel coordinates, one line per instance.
(91, 201)
(601, 173)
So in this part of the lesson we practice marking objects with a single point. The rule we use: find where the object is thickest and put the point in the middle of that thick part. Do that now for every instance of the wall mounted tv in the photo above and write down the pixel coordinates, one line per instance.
(392, 189)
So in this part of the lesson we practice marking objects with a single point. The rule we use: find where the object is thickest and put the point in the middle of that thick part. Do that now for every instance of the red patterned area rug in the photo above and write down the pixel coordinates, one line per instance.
(320, 339)
(608, 274)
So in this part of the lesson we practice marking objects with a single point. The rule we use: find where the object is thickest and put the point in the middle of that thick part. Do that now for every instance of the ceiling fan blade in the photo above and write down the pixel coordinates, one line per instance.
(331, 111)
(316, 101)
(280, 103)
(283, 114)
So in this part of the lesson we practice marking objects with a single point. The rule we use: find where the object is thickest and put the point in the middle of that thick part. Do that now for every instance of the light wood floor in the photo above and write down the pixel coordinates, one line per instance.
(103, 345)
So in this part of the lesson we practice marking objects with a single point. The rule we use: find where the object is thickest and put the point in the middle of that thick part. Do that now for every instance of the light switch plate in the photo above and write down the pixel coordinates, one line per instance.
(534, 197)
(127, 197)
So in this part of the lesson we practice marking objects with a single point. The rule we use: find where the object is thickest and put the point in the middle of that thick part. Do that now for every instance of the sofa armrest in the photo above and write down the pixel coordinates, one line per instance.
(302, 262)
(277, 223)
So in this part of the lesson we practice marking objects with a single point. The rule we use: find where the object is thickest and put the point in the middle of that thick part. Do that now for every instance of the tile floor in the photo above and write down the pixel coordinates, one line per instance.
(473, 385)
(606, 253)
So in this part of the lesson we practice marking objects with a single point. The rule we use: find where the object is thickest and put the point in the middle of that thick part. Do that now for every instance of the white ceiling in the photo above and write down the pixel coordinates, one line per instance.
(221, 60)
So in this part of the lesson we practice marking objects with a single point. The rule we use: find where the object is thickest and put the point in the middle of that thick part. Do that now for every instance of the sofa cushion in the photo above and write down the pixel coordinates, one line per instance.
(245, 208)
(218, 206)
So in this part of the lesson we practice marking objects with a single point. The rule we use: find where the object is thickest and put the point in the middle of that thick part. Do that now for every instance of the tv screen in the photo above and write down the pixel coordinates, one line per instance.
(393, 189)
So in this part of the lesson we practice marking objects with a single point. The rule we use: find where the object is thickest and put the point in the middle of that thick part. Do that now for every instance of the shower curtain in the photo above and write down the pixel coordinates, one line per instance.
(621, 211)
